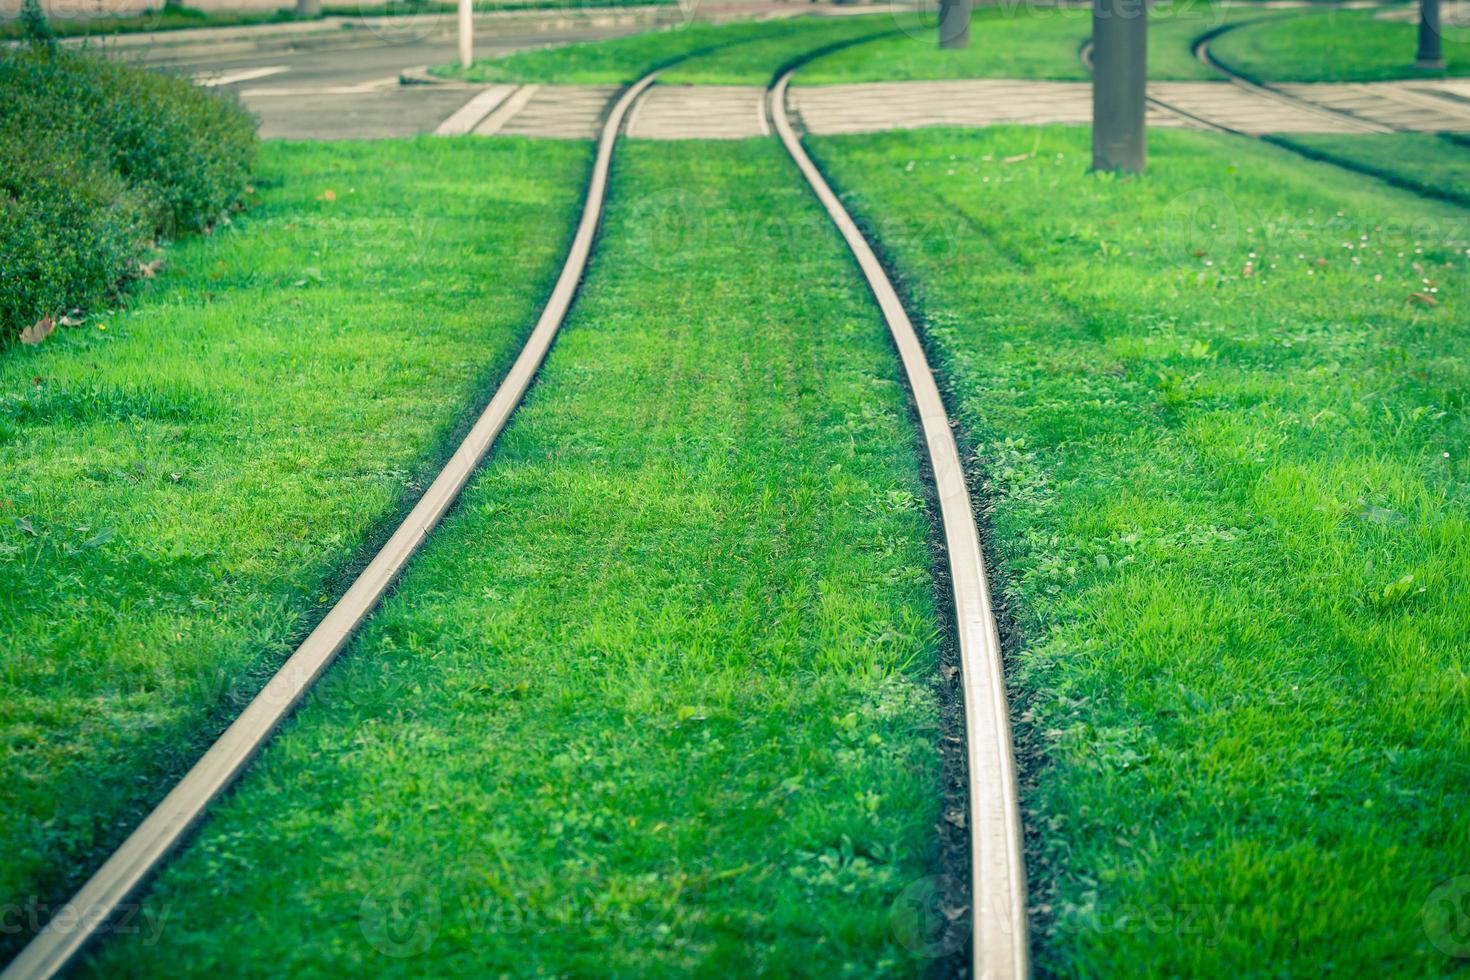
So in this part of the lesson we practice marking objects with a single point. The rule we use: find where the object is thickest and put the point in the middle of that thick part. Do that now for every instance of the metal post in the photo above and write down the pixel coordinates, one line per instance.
(466, 32)
(1431, 55)
(954, 23)
(1119, 74)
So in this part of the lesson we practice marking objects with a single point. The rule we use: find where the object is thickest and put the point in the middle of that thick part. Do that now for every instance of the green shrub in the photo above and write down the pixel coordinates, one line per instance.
(95, 159)
(69, 229)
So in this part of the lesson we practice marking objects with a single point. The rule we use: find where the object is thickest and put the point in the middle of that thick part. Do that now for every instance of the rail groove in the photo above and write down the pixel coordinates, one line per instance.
(1201, 49)
(1000, 943)
(1084, 55)
(1203, 55)
(124, 873)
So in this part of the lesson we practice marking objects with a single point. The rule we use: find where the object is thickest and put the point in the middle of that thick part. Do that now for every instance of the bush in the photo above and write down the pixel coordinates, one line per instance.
(95, 159)
(69, 229)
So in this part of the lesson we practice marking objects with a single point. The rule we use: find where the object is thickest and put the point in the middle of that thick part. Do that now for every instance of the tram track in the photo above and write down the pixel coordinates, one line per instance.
(1204, 55)
(1202, 120)
(1367, 127)
(999, 933)
(999, 940)
(128, 869)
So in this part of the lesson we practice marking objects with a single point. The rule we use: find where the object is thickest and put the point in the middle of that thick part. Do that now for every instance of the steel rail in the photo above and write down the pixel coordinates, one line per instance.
(1084, 54)
(1203, 54)
(129, 867)
(1205, 57)
(1000, 943)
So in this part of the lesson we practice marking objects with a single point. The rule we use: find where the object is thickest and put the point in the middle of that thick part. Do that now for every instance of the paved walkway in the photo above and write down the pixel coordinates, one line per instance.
(700, 112)
(1423, 106)
(736, 112)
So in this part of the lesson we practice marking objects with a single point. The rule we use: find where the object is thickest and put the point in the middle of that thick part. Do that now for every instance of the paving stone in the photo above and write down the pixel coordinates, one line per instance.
(737, 112)
(700, 112)
(571, 112)
(1398, 105)
(1248, 112)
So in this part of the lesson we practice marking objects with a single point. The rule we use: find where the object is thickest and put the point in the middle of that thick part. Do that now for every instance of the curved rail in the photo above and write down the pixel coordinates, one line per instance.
(1203, 55)
(998, 876)
(1084, 55)
(145, 850)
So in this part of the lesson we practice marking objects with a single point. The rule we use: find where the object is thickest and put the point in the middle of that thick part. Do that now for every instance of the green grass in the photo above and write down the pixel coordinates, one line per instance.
(184, 482)
(657, 699)
(1231, 513)
(1020, 43)
(1421, 162)
(1173, 31)
(161, 19)
(612, 62)
(754, 63)
(1336, 46)
(739, 52)
(1025, 43)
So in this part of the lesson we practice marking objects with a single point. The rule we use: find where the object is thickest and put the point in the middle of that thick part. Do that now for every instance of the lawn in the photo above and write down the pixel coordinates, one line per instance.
(659, 697)
(1220, 415)
(748, 52)
(756, 62)
(1025, 43)
(1336, 46)
(186, 482)
(160, 19)
(1021, 43)
(1421, 162)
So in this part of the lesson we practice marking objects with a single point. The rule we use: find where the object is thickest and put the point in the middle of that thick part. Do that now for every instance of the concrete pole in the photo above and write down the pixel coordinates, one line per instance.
(1119, 73)
(466, 32)
(1431, 54)
(308, 9)
(954, 23)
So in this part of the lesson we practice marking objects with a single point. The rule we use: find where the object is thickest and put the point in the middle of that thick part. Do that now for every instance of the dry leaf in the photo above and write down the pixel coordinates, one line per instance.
(148, 270)
(1422, 299)
(38, 331)
(1320, 263)
(1248, 271)
(327, 195)
(1017, 158)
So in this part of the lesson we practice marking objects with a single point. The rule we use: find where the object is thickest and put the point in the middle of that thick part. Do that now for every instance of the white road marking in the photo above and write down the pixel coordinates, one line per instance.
(468, 116)
(507, 109)
(209, 80)
(362, 88)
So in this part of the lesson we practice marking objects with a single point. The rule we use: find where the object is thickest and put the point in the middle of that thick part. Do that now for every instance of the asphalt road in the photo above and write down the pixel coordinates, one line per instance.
(352, 92)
